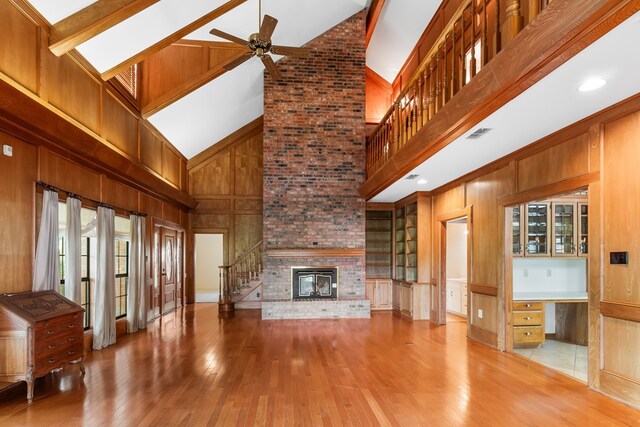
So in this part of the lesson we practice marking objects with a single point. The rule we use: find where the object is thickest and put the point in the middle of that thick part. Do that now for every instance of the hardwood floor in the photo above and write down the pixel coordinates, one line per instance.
(191, 368)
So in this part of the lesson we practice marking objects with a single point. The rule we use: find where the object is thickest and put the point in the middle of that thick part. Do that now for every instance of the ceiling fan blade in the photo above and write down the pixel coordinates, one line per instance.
(271, 67)
(233, 64)
(267, 28)
(290, 51)
(229, 37)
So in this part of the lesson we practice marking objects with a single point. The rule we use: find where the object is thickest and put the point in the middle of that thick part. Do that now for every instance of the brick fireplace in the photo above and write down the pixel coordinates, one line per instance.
(314, 152)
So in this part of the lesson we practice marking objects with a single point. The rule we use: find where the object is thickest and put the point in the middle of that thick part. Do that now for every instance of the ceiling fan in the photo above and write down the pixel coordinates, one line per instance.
(259, 44)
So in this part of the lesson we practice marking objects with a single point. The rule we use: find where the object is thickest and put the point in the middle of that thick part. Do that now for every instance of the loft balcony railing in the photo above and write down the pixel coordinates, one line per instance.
(477, 31)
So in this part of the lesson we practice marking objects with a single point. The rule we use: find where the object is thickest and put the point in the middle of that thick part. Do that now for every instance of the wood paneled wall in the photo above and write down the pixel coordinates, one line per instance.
(226, 180)
(600, 153)
(74, 91)
(378, 97)
(18, 210)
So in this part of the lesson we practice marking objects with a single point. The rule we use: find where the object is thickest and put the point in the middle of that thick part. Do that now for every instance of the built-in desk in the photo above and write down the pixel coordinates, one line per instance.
(571, 317)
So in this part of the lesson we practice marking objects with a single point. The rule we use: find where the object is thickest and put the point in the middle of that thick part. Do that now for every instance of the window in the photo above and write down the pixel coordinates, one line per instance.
(85, 282)
(129, 80)
(122, 276)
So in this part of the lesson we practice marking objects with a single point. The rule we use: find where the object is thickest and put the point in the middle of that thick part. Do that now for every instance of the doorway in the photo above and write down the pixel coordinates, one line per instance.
(456, 270)
(209, 255)
(547, 273)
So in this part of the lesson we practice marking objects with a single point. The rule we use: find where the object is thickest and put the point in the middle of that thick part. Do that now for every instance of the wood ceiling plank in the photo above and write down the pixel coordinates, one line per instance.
(182, 32)
(91, 21)
(372, 19)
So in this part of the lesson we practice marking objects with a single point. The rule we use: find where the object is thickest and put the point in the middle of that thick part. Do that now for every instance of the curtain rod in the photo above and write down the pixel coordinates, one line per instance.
(75, 196)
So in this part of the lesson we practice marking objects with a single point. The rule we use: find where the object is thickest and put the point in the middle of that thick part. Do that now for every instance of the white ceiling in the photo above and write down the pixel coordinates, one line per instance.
(550, 105)
(57, 10)
(399, 27)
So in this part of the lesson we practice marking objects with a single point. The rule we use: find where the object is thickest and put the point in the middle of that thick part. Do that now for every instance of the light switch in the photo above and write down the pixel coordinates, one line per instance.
(7, 150)
(480, 313)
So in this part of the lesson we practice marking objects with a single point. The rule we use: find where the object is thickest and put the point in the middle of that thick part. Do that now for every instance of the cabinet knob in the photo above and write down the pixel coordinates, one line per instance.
(528, 333)
(528, 318)
(528, 305)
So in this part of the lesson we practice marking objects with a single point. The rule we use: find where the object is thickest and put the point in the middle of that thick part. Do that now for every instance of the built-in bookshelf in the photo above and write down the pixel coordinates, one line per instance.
(379, 243)
(411, 244)
(400, 222)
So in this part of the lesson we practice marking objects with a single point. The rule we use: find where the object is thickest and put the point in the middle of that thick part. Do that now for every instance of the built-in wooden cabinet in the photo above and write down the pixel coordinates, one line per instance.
(411, 300)
(550, 228)
(379, 244)
(528, 323)
(378, 292)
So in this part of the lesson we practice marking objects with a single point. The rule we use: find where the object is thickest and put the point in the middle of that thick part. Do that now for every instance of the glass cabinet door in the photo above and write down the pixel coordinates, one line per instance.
(564, 228)
(537, 229)
(583, 229)
(517, 230)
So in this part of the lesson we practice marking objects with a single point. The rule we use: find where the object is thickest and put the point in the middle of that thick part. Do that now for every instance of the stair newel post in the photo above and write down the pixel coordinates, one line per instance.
(224, 302)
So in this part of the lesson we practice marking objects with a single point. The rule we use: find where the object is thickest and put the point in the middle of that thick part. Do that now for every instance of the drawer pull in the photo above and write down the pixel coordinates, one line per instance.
(528, 318)
(53, 359)
(528, 333)
(51, 346)
(73, 325)
(528, 305)
(71, 352)
(71, 339)
(50, 332)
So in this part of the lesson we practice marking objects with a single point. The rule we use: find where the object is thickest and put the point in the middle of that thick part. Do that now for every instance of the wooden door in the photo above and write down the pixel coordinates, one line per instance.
(179, 269)
(169, 270)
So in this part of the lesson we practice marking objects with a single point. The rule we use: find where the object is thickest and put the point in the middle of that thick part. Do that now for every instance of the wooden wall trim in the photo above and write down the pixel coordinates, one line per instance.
(379, 206)
(27, 117)
(315, 253)
(617, 387)
(483, 336)
(489, 290)
(555, 188)
(620, 310)
(565, 29)
(250, 129)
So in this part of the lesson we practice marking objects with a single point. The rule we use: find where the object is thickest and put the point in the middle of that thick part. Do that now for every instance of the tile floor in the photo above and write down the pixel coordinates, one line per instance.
(568, 358)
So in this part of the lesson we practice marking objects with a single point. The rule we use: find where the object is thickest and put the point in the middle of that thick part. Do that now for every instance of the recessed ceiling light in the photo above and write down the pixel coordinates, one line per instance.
(422, 181)
(592, 84)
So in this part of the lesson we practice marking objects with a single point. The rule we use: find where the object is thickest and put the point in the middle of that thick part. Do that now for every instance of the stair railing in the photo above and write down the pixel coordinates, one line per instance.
(245, 268)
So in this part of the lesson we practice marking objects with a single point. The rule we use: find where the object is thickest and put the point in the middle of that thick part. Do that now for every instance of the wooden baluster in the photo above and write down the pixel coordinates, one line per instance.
(485, 36)
(445, 72)
(432, 89)
(463, 51)
(534, 9)
(472, 63)
(497, 35)
(455, 65)
(438, 78)
(424, 112)
(513, 21)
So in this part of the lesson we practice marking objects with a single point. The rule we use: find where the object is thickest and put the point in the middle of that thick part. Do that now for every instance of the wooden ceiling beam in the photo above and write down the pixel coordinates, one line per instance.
(181, 33)
(372, 19)
(91, 21)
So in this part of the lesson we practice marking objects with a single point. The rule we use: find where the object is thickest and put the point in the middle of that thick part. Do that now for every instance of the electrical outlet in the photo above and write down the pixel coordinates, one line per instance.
(548, 272)
(480, 313)
(526, 272)
(257, 294)
(7, 150)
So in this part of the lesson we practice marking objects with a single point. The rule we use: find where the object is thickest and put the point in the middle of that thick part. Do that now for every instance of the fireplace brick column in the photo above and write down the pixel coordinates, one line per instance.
(314, 162)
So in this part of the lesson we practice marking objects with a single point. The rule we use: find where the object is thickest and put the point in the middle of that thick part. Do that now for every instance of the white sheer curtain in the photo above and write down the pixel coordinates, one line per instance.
(136, 301)
(104, 322)
(73, 255)
(46, 275)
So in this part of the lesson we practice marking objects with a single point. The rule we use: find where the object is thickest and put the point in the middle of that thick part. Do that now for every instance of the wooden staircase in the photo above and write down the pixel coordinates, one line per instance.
(242, 281)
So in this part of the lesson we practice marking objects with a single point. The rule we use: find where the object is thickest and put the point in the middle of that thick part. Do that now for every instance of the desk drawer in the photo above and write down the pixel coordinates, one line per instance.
(527, 318)
(528, 305)
(46, 363)
(528, 335)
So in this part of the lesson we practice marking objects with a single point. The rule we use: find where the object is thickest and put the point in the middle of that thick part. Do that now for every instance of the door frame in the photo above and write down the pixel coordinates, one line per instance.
(160, 224)
(222, 231)
(439, 311)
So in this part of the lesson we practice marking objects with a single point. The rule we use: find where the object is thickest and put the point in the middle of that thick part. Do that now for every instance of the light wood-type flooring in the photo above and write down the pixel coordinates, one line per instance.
(192, 368)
